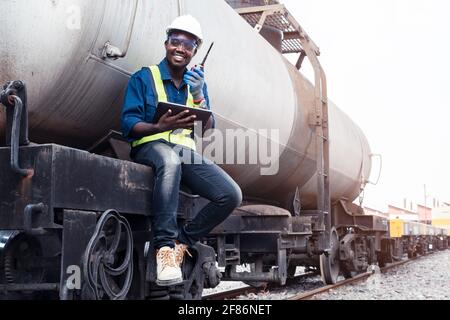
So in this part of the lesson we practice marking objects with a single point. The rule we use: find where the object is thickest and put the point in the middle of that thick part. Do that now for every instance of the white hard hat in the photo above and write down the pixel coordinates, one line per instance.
(188, 24)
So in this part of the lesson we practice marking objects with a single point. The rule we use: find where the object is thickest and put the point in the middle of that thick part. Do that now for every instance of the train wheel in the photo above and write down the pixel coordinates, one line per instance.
(108, 261)
(329, 265)
(20, 258)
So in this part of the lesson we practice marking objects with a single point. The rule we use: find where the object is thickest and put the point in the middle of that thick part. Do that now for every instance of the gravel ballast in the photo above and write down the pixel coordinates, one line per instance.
(427, 278)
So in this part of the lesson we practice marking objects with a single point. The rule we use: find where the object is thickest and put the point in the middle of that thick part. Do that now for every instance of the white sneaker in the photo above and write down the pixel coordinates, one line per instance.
(168, 272)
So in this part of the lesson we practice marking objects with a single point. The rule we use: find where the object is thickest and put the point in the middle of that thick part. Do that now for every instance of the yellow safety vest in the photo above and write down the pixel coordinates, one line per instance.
(183, 138)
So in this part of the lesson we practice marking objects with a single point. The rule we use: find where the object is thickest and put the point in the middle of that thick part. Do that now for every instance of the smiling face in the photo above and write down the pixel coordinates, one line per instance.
(180, 48)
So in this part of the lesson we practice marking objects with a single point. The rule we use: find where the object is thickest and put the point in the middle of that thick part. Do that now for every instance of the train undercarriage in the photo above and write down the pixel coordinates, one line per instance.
(76, 225)
(57, 224)
(274, 242)
(60, 237)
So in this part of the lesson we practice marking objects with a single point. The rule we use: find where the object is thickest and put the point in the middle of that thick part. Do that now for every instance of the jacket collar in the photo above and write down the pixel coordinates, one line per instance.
(164, 69)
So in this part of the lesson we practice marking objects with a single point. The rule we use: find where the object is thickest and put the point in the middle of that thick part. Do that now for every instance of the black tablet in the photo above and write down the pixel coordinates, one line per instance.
(203, 115)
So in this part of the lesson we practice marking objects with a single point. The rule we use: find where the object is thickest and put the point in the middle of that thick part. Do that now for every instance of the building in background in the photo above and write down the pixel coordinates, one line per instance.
(441, 216)
(375, 212)
(424, 214)
(438, 214)
(400, 213)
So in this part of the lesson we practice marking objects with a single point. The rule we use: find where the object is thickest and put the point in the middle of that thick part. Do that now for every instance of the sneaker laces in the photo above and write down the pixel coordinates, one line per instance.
(180, 250)
(167, 257)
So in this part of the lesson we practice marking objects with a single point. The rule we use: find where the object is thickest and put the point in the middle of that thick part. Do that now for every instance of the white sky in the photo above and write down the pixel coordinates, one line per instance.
(387, 63)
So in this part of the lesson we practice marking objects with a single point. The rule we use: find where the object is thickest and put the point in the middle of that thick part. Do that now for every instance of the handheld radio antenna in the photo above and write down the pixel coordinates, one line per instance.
(207, 54)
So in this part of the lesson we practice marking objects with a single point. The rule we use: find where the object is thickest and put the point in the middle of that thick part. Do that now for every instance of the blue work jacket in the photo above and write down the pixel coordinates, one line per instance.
(140, 97)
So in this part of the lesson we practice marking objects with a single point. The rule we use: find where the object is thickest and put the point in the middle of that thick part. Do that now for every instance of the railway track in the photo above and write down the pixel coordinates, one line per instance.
(358, 278)
(231, 294)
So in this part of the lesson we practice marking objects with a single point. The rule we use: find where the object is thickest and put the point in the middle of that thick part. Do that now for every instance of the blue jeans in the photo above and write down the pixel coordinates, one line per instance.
(201, 176)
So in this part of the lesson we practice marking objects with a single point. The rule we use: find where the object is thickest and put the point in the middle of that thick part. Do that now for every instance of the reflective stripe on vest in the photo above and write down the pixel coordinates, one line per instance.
(183, 138)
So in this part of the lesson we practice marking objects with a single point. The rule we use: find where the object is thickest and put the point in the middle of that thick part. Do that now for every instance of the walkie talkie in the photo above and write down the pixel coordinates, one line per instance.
(202, 64)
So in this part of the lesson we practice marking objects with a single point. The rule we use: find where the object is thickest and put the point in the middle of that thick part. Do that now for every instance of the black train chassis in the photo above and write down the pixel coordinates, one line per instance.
(57, 224)
(81, 213)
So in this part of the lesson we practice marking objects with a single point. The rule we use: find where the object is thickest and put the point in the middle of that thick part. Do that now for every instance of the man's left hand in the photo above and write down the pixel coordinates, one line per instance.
(195, 78)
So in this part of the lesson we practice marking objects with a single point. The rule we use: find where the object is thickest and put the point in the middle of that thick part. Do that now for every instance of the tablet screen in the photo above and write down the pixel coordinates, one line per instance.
(163, 107)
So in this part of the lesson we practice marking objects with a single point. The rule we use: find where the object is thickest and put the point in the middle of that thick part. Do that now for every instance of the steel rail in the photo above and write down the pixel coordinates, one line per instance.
(358, 278)
(231, 294)
(309, 294)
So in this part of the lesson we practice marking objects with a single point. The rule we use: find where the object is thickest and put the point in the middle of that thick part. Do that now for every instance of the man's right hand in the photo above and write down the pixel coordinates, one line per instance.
(180, 121)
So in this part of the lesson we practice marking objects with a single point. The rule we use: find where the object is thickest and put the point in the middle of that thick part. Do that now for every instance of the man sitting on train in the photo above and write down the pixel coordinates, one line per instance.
(158, 145)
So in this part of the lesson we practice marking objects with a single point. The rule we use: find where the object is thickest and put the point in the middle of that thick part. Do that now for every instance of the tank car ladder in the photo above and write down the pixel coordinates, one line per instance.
(296, 40)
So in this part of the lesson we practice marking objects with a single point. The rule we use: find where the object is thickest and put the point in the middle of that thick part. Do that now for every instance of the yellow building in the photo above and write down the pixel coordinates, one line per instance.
(441, 216)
